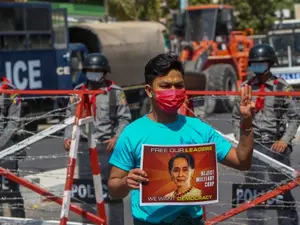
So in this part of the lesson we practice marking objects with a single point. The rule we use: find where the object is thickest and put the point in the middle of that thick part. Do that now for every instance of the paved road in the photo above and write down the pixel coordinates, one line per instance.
(52, 177)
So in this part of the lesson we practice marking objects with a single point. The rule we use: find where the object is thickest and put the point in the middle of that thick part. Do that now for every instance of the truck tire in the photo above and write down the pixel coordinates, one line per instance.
(208, 103)
(222, 77)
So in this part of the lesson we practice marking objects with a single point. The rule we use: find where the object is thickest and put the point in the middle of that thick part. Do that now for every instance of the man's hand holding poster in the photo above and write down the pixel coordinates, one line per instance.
(180, 175)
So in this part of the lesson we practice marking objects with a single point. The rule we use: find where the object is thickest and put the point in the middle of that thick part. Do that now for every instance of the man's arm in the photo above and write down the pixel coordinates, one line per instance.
(117, 185)
(122, 161)
(123, 115)
(14, 113)
(241, 157)
(121, 182)
(293, 116)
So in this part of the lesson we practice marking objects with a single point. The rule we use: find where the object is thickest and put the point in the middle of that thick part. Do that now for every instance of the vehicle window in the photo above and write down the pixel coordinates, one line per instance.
(280, 44)
(59, 24)
(11, 20)
(38, 19)
(38, 22)
(76, 65)
(201, 24)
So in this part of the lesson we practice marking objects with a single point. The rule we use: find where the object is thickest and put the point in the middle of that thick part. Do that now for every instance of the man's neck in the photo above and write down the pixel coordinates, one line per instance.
(162, 117)
(264, 77)
(96, 85)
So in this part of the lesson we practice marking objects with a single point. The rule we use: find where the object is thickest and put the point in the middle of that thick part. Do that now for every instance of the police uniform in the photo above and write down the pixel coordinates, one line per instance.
(112, 115)
(10, 111)
(276, 118)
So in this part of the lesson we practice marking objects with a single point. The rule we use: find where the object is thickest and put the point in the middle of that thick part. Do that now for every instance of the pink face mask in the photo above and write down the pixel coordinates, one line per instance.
(170, 100)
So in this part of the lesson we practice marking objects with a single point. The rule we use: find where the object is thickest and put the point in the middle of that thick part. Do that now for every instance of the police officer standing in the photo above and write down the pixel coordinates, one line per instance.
(272, 136)
(112, 115)
(10, 112)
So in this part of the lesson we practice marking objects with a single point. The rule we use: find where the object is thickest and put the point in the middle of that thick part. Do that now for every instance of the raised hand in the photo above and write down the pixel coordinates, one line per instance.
(247, 106)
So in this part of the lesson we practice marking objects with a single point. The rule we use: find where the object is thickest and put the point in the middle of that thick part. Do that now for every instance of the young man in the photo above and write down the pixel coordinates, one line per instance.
(272, 136)
(112, 115)
(164, 126)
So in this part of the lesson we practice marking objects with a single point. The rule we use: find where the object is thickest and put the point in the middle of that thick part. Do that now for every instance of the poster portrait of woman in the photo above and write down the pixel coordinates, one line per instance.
(181, 168)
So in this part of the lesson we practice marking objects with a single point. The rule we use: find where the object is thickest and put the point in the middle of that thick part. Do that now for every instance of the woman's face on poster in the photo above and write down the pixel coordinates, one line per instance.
(181, 172)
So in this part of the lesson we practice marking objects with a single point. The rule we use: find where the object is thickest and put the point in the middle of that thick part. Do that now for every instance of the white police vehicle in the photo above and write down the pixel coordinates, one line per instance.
(284, 37)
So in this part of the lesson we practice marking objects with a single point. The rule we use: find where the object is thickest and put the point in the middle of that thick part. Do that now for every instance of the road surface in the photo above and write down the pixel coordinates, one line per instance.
(47, 162)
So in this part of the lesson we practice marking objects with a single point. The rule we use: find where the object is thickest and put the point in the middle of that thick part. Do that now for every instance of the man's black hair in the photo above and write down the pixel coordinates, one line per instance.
(161, 65)
(188, 157)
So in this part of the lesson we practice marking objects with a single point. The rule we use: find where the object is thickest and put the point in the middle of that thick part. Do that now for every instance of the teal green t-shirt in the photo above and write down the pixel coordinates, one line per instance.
(185, 130)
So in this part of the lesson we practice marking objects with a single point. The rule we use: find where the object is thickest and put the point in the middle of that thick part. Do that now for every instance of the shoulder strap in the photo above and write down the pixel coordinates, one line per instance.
(112, 104)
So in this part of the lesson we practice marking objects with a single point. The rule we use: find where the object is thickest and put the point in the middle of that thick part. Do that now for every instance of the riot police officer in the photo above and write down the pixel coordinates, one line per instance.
(10, 111)
(272, 136)
(112, 115)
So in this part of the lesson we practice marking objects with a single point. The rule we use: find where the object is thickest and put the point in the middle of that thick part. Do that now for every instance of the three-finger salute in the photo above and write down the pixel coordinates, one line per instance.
(247, 106)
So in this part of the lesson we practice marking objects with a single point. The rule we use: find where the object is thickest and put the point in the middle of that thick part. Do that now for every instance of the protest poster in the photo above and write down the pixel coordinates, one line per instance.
(179, 175)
